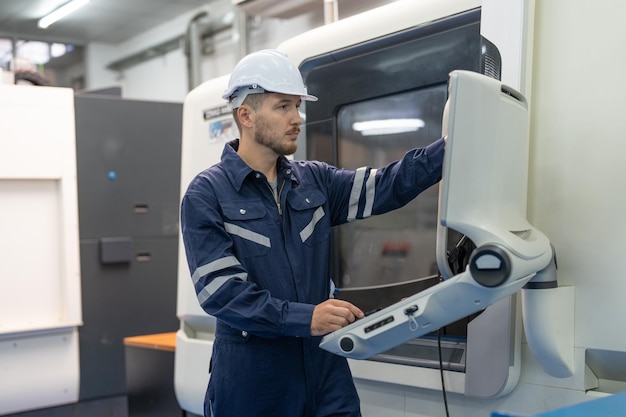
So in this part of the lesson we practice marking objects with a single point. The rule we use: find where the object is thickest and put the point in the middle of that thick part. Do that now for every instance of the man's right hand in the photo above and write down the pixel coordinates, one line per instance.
(332, 315)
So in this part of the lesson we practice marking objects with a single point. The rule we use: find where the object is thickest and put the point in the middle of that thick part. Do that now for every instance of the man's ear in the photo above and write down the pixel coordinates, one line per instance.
(245, 115)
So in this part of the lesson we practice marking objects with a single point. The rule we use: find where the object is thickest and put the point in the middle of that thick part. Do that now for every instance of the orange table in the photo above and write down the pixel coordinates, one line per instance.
(159, 341)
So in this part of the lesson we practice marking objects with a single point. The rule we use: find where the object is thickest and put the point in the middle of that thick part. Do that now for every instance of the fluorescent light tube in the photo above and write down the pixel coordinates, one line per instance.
(387, 126)
(61, 12)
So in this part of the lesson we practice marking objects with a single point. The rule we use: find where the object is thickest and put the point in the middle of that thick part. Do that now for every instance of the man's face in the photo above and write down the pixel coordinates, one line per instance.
(278, 123)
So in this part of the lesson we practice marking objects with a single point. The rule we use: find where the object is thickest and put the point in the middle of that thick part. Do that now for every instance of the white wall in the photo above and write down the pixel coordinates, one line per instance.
(578, 157)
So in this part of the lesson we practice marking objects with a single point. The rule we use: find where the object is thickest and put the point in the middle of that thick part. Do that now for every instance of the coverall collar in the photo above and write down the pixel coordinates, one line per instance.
(237, 170)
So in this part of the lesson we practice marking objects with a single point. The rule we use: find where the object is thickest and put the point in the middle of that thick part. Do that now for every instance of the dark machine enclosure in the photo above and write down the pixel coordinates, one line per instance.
(128, 155)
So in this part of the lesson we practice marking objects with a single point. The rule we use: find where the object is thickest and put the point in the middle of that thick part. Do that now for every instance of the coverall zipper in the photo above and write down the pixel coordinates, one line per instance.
(277, 196)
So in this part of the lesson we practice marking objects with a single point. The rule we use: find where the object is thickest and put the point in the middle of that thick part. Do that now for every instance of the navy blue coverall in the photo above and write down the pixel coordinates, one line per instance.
(260, 265)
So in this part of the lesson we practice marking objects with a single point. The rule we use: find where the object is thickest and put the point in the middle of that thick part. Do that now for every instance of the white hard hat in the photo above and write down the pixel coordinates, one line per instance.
(263, 71)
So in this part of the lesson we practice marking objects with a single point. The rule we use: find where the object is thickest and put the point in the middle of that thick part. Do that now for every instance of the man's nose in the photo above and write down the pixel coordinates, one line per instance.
(298, 117)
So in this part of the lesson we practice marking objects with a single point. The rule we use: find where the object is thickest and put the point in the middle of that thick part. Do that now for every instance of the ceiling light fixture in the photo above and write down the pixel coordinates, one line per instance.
(61, 12)
(388, 126)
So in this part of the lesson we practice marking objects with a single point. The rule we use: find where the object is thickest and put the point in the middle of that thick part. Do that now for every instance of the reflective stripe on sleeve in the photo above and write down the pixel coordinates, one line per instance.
(214, 266)
(308, 229)
(355, 193)
(370, 193)
(247, 234)
(215, 285)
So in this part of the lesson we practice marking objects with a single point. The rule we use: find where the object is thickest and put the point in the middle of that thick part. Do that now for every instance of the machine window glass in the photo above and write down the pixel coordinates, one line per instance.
(396, 250)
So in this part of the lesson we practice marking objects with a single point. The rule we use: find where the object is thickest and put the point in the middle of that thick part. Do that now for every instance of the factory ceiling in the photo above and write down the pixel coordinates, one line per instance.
(108, 21)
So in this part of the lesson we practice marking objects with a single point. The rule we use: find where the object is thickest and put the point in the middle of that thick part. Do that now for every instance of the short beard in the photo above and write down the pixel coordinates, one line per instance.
(263, 137)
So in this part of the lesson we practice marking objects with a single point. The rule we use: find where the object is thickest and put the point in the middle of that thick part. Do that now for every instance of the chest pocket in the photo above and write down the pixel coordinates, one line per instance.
(310, 219)
(244, 221)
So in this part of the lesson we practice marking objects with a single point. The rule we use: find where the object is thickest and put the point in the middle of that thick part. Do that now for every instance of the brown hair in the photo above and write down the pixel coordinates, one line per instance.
(255, 101)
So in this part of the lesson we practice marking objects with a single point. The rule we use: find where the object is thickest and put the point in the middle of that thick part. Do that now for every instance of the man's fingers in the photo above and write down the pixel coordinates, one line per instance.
(332, 315)
(354, 311)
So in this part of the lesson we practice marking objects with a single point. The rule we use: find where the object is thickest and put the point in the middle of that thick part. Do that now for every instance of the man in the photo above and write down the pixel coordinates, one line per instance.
(256, 229)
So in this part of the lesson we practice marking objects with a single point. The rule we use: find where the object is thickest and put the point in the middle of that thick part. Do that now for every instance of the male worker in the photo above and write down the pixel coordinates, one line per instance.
(256, 229)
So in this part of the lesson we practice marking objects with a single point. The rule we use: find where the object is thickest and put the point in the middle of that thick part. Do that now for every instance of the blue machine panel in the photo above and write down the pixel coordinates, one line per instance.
(611, 406)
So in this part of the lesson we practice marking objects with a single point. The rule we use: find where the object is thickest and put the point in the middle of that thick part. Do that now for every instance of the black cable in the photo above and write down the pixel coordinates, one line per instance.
(443, 383)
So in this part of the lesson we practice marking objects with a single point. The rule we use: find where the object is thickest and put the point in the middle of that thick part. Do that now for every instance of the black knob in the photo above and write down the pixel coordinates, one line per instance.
(346, 344)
